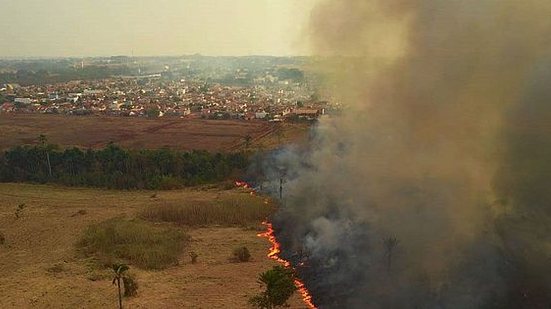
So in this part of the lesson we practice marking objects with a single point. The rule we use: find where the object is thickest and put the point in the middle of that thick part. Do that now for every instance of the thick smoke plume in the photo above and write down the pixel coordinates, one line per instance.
(432, 189)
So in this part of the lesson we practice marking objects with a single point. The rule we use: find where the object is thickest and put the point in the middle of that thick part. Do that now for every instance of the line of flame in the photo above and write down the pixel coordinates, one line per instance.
(275, 250)
(274, 255)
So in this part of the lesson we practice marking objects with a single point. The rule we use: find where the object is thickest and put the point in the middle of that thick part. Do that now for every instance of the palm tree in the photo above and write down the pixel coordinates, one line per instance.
(390, 244)
(119, 270)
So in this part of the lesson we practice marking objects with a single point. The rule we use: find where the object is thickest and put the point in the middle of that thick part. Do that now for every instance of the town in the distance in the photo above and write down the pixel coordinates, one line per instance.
(273, 89)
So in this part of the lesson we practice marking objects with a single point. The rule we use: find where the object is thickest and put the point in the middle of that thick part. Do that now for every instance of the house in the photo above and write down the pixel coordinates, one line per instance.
(23, 101)
(307, 112)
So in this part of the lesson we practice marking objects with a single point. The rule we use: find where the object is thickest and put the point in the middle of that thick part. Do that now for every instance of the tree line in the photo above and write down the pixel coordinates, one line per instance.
(117, 168)
(62, 74)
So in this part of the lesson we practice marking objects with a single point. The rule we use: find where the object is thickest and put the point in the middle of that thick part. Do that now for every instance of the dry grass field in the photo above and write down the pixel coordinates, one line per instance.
(41, 267)
(137, 133)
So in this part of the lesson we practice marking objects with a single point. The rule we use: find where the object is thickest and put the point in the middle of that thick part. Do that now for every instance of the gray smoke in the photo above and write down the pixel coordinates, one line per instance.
(443, 144)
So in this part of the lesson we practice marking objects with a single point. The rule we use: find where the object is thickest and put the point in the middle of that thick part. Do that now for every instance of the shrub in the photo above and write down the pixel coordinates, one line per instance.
(19, 210)
(168, 183)
(193, 257)
(2, 238)
(237, 211)
(242, 254)
(130, 285)
(135, 242)
(279, 286)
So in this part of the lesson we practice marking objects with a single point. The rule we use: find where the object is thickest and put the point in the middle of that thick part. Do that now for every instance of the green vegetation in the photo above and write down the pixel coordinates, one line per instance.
(231, 212)
(130, 285)
(134, 242)
(117, 168)
(279, 286)
(129, 282)
(37, 73)
(241, 254)
(293, 74)
(153, 113)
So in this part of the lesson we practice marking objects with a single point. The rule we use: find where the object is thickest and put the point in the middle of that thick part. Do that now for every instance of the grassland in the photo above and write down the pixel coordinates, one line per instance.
(139, 133)
(134, 242)
(235, 211)
(41, 267)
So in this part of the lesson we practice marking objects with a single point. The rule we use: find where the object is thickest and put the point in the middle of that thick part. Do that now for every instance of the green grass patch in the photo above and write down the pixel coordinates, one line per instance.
(236, 211)
(134, 242)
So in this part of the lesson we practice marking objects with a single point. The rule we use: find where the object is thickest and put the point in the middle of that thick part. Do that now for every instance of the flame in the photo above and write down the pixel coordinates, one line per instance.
(244, 185)
(239, 183)
(275, 250)
(274, 255)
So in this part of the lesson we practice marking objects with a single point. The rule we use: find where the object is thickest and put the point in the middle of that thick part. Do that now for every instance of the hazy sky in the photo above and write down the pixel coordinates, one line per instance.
(144, 27)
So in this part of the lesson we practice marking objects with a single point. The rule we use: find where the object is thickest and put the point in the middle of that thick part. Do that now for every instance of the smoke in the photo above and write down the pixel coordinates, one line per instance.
(443, 144)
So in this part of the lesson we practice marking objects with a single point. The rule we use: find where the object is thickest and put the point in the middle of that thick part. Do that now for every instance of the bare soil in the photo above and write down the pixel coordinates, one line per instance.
(138, 133)
(41, 268)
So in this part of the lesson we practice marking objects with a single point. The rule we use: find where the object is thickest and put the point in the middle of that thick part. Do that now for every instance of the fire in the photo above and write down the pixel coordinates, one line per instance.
(274, 255)
(244, 185)
(275, 250)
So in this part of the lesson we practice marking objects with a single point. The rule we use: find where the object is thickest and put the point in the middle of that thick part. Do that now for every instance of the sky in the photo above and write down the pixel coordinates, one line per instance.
(65, 28)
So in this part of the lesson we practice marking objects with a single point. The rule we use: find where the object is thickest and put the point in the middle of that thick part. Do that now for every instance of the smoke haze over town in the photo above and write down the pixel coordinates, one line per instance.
(318, 153)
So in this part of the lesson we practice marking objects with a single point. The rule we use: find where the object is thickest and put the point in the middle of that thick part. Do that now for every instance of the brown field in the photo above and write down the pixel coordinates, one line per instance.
(40, 266)
(136, 133)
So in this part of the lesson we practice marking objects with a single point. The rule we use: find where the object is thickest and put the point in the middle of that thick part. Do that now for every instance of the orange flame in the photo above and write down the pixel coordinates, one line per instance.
(244, 185)
(275, 250)
(274, 255)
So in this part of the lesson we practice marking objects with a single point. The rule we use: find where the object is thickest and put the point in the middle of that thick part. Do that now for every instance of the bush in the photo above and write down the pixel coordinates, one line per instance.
(240, 212)
(193, 257)
(19, 210)
(134, 242)
(241, 254)
(279, 286)
(2, 238)
(168, 183)
(130, 285)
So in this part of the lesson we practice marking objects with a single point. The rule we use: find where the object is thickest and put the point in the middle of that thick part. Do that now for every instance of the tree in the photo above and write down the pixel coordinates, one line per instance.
(120, 270)
(280, 285)
(44, 145)
(248, 140)
(153, 113)
(390, 244)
